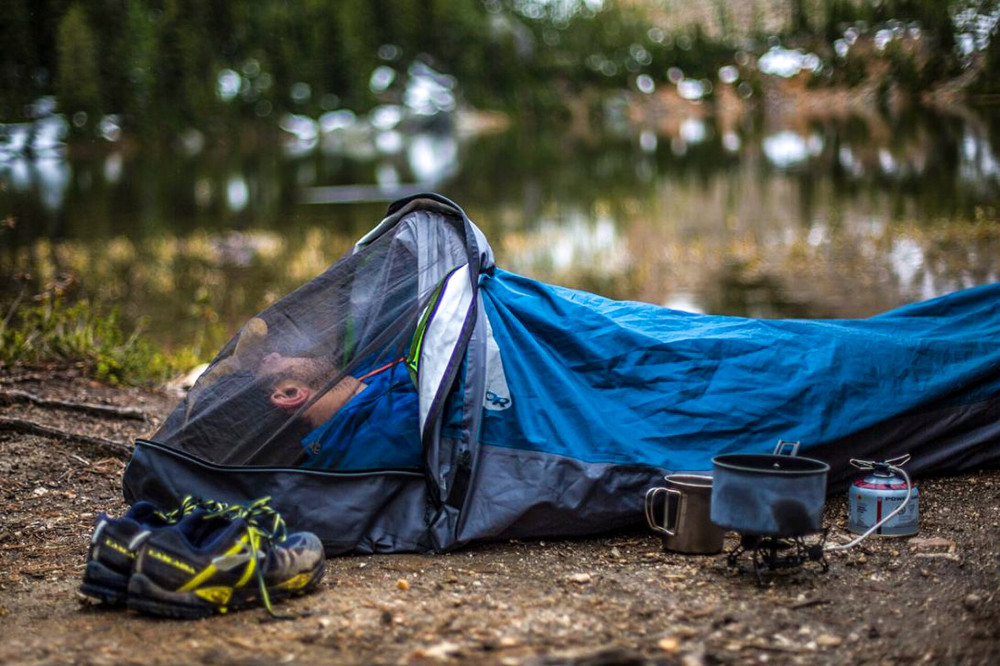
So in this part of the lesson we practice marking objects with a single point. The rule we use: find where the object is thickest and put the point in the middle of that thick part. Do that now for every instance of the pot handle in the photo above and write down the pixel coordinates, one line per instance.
(779, 449)
(651, 495)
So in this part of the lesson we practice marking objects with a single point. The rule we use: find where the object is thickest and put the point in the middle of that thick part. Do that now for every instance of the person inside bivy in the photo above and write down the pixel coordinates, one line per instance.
(364, 422)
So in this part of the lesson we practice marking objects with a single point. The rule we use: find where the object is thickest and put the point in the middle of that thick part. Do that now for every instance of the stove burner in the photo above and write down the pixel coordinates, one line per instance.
(769, 554)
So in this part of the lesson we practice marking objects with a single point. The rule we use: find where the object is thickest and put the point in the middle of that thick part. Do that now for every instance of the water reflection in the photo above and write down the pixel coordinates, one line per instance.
(696, 211)
(787, 63)
(564, 242)
(785, 149)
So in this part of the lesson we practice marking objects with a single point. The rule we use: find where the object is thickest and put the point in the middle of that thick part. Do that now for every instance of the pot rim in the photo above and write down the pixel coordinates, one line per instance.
(770, 464)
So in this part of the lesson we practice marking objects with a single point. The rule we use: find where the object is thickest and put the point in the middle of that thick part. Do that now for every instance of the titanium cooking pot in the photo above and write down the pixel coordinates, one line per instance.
(777, 495)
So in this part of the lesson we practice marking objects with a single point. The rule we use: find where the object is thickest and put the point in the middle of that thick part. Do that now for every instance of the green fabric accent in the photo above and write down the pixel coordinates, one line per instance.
(413, 356)
(412, 359)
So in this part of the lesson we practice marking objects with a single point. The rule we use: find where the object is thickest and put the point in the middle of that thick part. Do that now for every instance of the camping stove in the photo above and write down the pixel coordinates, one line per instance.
(771, 553)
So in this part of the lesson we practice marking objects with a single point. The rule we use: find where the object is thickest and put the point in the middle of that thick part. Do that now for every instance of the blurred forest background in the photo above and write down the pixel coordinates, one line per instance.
(170, 167)
(166, 65)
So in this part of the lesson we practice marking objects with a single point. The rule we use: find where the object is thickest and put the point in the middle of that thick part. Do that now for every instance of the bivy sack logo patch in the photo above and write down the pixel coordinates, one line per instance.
(497, 392)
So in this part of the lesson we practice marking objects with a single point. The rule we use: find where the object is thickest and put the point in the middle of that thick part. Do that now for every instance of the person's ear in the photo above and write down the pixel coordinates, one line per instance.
(289, 394)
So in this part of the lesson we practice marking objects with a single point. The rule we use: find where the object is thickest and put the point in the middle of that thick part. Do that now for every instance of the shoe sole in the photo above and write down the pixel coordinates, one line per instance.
(149, 598)
(103, 584)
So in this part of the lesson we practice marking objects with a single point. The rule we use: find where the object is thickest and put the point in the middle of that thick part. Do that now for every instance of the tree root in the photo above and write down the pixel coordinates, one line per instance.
(33, 428)
(13, 396)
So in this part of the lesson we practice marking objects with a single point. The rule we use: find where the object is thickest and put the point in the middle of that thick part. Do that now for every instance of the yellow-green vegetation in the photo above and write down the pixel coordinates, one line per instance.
(49, 329)
(142, 310)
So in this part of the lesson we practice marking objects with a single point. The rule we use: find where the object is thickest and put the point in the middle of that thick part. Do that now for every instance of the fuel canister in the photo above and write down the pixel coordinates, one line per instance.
(875, 496)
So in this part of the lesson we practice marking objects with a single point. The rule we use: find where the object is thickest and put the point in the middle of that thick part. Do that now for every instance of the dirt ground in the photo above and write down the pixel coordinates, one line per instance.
(617, 599)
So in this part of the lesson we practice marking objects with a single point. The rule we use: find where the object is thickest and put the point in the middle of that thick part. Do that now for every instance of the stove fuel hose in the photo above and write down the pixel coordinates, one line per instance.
(893, 466)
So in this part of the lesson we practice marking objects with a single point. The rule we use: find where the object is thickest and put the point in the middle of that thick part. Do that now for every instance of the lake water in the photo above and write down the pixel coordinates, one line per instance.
(837, 220)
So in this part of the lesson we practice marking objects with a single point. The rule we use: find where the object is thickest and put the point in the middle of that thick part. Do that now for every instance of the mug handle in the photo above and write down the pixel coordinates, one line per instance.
(671, 493)
(650, 499)
(651, 495)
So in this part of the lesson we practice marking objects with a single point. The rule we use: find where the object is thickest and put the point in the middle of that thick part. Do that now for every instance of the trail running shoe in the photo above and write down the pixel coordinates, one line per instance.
(115, 541)
(225, 560)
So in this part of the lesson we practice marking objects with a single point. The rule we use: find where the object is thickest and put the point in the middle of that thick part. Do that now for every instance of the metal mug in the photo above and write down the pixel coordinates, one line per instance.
(687, 525)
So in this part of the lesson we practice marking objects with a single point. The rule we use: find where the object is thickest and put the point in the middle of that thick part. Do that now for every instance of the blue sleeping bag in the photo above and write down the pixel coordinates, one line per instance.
(377, 429)
(606, 381)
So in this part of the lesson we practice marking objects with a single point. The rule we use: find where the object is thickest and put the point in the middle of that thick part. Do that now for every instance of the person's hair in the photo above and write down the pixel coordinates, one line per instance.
(311, 371)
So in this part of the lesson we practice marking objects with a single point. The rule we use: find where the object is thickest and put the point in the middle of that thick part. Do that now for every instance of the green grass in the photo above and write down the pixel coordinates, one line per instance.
(51, 330)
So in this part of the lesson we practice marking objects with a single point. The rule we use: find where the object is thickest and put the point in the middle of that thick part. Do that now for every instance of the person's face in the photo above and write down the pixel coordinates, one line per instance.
(295, 379)
(290, 394)
(299, 379)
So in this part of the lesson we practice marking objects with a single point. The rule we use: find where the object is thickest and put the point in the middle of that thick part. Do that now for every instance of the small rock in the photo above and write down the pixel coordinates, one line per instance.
(685, 632)
(694, 658)
(615, 553)
(581, 578)
(440, 652)
(972, 601)
(828, 640)
(403, 584)
(671, 645)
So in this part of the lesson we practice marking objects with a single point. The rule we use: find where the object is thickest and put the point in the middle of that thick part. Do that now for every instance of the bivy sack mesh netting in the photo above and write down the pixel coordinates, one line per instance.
(325, 389)
(358, 319)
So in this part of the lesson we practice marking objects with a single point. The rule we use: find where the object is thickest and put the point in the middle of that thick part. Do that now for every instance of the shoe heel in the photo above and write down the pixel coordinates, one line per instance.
(103, 584)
